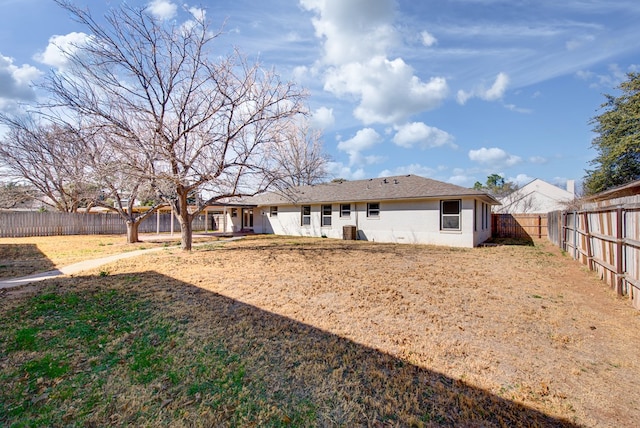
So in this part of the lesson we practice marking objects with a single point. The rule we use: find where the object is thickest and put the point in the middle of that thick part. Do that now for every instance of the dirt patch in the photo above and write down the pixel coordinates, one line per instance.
(522, 323)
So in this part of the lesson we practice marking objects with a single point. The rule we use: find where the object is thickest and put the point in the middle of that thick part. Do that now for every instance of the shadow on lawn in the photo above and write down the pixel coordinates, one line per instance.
(21, 260)
(343, 383)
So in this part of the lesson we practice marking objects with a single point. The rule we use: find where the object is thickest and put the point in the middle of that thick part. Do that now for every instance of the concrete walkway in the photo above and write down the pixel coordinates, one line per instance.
(91, 264)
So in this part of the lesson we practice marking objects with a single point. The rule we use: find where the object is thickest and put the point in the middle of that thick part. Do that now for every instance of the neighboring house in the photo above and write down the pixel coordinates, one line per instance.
(401, 209)
(612, 196)
(537, 197)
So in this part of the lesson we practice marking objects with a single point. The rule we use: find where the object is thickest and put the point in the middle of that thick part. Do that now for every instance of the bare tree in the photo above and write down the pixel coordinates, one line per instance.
(201, 126)
(517, 202)
(300, 156)
(49, 158)
(15, 195)
(118, 184)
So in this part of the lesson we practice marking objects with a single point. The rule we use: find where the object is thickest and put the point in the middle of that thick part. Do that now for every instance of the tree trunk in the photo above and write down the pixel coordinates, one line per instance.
(184, 218)
(186, 233)
(132, 232)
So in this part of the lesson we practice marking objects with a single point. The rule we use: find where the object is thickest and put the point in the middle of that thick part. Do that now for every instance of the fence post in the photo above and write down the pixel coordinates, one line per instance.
(619, 249)
(587, 235)
(539, 227)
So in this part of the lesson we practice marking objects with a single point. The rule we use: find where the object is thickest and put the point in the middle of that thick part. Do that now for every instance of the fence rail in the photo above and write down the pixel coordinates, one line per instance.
(23, 224)
(605, 238)
(519, 226)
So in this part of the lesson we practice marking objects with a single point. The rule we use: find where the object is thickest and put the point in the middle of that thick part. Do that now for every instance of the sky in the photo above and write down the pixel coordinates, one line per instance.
(454, 90)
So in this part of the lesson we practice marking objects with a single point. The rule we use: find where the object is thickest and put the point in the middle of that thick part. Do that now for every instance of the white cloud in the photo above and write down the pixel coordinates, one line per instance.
(322, 118)
(495, 92)
(356, 37)
(339, 170)
(413, 168)
(461, 180)
(517, 109)
(428, 39)
(494, 157)
(389, 92)
(579, 42)
(364, 139)
(15, 82)
(60, 47)
(609, 80)
(162, 9)
(353, 31)
(198, 13)
(538, 160)
(520, 179)
(421, 135)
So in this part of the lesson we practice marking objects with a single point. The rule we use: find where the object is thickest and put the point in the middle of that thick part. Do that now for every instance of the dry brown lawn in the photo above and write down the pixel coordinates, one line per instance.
(407, 334)
(25, 256)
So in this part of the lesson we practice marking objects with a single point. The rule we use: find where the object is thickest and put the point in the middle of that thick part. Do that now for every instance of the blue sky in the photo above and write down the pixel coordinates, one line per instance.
(452, 90)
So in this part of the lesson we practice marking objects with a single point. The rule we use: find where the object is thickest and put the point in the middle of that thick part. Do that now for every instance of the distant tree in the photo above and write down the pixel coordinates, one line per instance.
(49, 158)
(190, 122)
(119, 187)
(300, 157)
(496, 186)
(618, 139)
(14, 195)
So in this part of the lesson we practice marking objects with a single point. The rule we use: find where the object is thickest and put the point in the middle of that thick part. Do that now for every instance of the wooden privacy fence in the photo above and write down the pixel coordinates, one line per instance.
(23, 224)
(519, 226)
(606, 239)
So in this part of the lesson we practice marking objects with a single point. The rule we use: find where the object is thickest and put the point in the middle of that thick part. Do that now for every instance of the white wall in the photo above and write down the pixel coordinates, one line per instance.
(537, 197)
(414, 222)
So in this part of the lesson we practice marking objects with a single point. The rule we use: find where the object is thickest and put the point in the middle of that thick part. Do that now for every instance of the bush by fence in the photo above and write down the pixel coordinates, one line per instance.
(22, 224)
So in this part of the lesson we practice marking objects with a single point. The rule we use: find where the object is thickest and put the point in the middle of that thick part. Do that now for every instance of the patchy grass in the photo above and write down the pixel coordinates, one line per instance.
(101, 355)
(271, 331)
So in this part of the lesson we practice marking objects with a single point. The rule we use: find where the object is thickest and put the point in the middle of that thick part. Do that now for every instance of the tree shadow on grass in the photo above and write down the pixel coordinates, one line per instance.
(274, 370)
(22, 259)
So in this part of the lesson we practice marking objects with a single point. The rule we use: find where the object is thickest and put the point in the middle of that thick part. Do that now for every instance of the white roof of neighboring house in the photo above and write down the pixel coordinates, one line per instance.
(538, 196)
(374, 189)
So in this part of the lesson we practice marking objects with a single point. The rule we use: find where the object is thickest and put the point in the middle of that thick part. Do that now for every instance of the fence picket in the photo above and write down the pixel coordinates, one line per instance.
(604, 236)
(15, 224)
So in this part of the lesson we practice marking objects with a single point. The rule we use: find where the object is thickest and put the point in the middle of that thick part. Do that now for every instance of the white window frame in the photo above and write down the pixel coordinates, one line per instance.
(273, 211)
(305, 218)
(345, 212)
(326, 216)
(373, 212)
(450, 215)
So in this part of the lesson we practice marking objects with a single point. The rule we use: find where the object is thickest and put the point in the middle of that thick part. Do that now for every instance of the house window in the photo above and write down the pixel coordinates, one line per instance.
(475, 215)
(326, 215)
(373, 209)
(484, 213)
(273, 211)
(345, 210)
(305, 215)
(450, 215)
(234, 212)
(487, 216)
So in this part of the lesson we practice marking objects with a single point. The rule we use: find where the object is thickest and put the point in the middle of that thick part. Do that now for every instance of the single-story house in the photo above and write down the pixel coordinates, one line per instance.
(537, 197)
(400, 209)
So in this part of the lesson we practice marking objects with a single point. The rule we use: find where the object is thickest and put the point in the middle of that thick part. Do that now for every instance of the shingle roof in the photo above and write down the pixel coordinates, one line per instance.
(374, 189)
